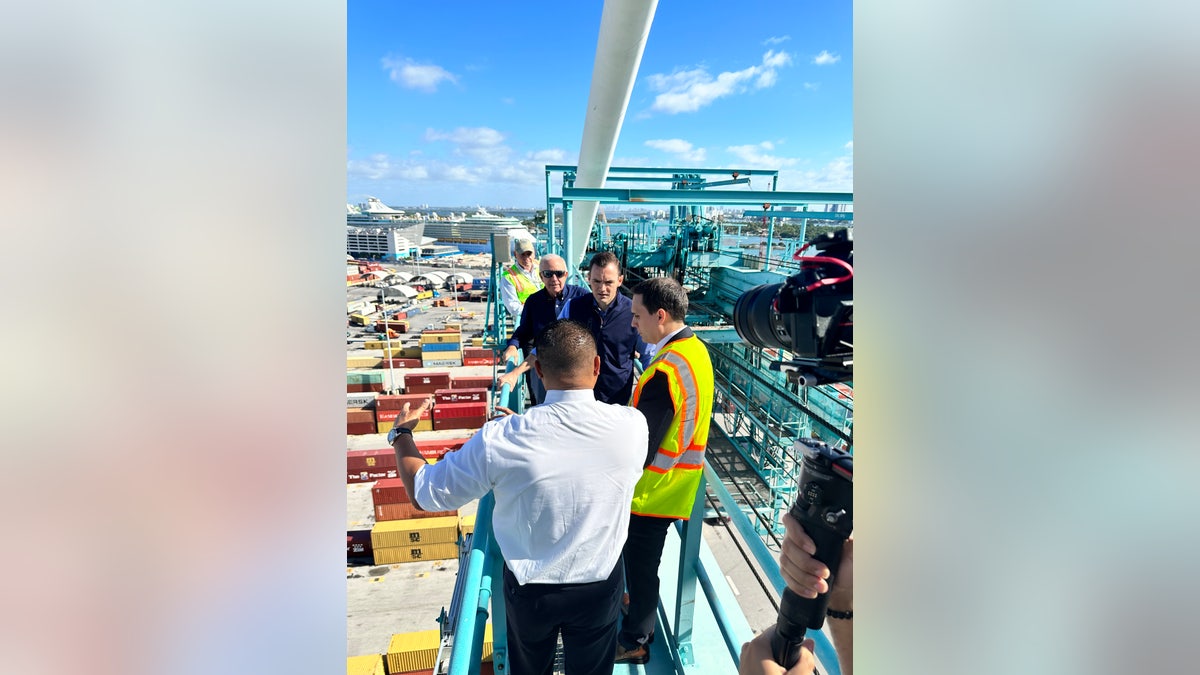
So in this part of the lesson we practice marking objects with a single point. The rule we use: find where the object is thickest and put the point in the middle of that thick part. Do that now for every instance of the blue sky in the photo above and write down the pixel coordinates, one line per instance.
(464, 103)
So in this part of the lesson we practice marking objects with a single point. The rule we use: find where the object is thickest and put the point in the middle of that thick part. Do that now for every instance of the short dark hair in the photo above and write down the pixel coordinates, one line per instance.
(565, 346)
(663, 293)
(604, 259)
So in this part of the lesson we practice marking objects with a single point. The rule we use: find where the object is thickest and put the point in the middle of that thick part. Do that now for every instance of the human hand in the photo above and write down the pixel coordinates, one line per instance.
(509, 378)
(408, 417)
(509, 353)
(807, 576)
(757, 660)
(501, 411)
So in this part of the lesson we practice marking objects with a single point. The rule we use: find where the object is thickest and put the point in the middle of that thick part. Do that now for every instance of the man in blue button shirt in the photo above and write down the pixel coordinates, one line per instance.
(609, 316)
(540, 309)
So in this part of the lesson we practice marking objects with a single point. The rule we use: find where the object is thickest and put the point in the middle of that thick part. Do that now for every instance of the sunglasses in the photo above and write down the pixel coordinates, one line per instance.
(558, 274)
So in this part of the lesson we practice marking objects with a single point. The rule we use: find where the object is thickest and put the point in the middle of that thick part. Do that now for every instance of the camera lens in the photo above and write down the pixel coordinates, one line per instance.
(757, 322)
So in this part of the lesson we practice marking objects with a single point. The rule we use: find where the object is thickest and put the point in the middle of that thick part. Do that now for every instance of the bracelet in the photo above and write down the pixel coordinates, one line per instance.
(834, 614)
(403, 430)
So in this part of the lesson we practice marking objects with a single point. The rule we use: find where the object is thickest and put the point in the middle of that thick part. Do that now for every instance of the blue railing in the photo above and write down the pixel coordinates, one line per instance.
(483, 588)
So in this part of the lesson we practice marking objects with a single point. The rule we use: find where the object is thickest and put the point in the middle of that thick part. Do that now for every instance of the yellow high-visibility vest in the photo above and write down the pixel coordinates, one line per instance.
(668, 485)
(521, 283)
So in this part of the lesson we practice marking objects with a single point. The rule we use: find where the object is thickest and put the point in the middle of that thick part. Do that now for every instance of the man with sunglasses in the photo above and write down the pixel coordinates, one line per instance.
(540, 309)
(519, 280)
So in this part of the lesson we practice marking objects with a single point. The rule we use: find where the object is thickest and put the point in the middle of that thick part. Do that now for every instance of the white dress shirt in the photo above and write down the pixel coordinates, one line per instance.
(657, 346)
(562, 474)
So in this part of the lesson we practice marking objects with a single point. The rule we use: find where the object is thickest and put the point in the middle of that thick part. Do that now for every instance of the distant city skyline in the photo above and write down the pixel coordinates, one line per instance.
(465, 106)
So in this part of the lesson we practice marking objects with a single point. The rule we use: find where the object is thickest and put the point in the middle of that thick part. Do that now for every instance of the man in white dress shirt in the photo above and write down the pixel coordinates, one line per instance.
(562, 475)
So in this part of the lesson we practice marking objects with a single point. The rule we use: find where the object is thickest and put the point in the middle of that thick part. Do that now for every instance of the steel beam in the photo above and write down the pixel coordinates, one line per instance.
(708, 197)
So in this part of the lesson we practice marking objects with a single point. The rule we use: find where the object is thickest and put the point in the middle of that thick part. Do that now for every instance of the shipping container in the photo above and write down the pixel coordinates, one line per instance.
(429, 337)
(477, 361)
(406, 511)
(466, 524)
(361, 399)
(408, 653)
(368, 664)
(441, 347)
(446, 424)
(426, 382)
(441, 362)
(358, 546)
(414, 532)
(360, 428)
(451, 410)
(477, 353)
(463, 382)
(360, 388)
(370, 476)
(477, 395)
(365, 377)
(362, 361)
(370, 460)
(389, 492)
(399, 363)
(395, 403)
(359, 415)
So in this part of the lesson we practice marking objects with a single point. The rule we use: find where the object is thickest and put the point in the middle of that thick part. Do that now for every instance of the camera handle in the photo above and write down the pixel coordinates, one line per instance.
(823, 508)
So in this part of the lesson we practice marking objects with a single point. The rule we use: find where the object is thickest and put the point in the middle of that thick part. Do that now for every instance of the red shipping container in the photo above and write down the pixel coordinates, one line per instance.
(478, 353)
(448, 410)
(358, 544)
(459, 423)
(472, 383)
(371, 476)
(406, 512)
(397, 403)
(370, 460)
(460, 396)
(358, 388)
(389, 491)
(361, 428)
(426, 383)
(436, 449)
(359, 415)
(400, 363)
(476, 361)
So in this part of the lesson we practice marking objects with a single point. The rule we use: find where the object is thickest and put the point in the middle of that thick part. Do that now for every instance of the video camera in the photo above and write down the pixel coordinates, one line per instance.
(810, 315)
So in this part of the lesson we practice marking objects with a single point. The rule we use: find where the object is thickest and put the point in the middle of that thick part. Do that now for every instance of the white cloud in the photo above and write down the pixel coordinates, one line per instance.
(482, 143)
(812, 85)
(754, 157)
(408, 73)
(678, 147)
(849, 145)
(481, 159)
(508, 100)
(777, 40)
(690, 90)
(825, 58)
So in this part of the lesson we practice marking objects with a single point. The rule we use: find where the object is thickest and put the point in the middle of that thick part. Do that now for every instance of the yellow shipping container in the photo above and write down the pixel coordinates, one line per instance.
(402, 554)
(424, 295)
(440, 338)
(453, 326)
(424, 425)
(413, 352)
(369, 664)
(359, 319)
(441, 356)
(466, 524)
(353, 362)
(477, 342)
(418, 650)
(414, 532)
(383, 344)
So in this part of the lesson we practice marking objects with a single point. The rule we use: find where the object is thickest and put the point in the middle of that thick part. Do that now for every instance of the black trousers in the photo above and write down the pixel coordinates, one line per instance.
(642, 554)
(586, 614)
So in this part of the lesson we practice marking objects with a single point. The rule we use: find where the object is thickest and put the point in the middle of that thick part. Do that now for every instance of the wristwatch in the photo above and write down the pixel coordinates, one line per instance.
(396, 431)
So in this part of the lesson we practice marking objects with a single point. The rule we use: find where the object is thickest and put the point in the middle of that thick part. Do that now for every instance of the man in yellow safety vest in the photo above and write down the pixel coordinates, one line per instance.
(675, 393)
(520, 279)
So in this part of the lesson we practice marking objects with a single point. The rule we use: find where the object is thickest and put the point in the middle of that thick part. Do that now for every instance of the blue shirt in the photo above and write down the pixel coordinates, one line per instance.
(540, 309)
(616, 340)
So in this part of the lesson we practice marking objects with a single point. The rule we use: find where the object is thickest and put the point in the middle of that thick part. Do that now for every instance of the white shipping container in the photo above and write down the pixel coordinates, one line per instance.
(360, 399)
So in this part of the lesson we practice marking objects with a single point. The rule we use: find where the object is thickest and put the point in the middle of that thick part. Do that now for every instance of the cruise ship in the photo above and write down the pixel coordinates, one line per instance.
(376, 230)
(473, 234)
